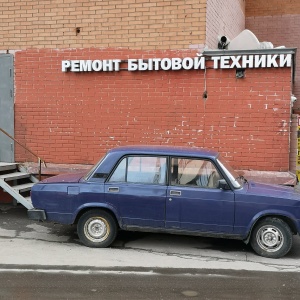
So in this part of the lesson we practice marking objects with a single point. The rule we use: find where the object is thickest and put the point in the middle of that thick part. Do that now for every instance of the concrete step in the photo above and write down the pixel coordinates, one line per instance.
(14, 176)
(23, 187)
(7, 166)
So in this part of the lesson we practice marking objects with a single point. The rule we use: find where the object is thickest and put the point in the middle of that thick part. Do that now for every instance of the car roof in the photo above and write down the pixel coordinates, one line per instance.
(166, 150)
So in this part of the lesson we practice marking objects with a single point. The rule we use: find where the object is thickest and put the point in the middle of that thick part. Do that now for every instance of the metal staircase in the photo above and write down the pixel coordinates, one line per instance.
(15, 180)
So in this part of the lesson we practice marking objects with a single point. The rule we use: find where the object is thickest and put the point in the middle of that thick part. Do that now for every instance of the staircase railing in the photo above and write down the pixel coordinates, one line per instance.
(40, 161)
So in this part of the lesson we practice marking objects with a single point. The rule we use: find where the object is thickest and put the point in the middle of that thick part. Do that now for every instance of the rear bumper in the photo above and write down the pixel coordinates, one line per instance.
(36, 214)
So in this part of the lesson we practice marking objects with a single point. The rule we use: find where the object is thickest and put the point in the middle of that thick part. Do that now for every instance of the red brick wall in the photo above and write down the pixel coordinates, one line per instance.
(281, 30)
(5, 197)
(272, 7)
(278, 21)
(76, 117)
(294, 143)
(224, 17)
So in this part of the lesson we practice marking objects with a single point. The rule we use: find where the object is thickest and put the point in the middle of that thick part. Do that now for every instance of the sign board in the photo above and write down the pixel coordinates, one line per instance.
(187, 63)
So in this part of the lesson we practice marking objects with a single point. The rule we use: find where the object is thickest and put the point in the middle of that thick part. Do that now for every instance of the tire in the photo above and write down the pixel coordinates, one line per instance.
(271, 238)
(97, 229)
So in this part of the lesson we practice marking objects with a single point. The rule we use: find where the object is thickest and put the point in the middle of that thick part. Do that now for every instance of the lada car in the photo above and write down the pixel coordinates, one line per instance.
(175, 190)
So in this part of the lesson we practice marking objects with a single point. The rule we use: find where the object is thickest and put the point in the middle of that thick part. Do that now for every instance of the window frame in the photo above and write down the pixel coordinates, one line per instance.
(166, 182)
(192, 158)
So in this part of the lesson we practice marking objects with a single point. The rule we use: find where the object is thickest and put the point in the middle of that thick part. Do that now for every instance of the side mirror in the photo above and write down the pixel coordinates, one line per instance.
(222, 184)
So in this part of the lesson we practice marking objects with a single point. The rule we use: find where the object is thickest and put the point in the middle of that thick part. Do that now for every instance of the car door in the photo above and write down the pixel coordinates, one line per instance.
(137, 188)
(194, 203)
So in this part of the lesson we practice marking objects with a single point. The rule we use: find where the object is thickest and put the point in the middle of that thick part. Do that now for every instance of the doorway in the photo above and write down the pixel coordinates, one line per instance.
(7, 147)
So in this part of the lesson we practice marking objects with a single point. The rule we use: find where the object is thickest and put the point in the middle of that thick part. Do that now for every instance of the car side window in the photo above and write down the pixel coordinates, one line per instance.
(194, 172)
(141, 169)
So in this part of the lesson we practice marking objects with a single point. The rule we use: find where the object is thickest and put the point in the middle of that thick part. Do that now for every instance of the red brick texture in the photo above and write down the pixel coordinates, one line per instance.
(277, 21)
(272, 7)
(76, 117)
(280, 25)
(281, 31)
(5, 197)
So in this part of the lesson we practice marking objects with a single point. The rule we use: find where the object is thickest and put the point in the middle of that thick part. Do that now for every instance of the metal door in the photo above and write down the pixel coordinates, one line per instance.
(6, 107)
(200, 209)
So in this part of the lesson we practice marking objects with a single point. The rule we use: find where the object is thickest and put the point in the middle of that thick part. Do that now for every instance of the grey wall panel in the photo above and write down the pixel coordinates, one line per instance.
(6, 106)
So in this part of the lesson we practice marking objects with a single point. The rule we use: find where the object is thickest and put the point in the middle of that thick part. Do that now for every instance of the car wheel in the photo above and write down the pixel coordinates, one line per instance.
(272, 238)
(97, 228)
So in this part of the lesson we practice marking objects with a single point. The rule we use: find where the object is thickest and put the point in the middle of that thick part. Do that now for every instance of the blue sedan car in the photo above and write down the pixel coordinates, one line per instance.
(172, 190)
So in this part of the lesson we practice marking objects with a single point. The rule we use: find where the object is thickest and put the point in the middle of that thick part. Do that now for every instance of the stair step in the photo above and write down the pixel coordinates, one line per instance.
(23, 187)
(7, 166)
(17, 197)
(15, 175)
(14, 172)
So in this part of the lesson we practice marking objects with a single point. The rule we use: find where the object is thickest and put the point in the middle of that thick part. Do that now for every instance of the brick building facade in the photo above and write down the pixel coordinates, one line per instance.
(74, 117)
(279, 22)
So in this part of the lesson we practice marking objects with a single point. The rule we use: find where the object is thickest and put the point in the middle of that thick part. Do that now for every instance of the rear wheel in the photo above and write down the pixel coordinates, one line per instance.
(271, 238)
(97, 228)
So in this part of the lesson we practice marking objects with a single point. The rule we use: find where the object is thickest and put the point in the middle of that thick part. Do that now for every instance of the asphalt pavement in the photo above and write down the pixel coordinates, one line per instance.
(27, 242)
(141, 284)
(47, 261)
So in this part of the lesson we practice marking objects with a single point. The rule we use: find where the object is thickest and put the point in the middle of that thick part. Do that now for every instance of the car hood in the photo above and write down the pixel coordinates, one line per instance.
(64, 178)
(273, 190)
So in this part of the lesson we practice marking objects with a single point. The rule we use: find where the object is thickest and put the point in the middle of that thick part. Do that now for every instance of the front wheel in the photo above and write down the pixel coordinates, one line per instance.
(97, 228)
(271, 238)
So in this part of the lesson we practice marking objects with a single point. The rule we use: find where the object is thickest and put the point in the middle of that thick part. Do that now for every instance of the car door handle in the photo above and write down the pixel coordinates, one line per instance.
(175, 193)
(113, 189)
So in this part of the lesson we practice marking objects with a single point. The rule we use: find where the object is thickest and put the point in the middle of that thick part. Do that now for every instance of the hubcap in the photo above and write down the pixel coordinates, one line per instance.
(269, 238)
(96, 229)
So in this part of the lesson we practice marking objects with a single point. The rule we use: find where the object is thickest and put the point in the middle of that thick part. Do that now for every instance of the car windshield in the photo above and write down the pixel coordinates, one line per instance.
(91, 171)
(232, 175)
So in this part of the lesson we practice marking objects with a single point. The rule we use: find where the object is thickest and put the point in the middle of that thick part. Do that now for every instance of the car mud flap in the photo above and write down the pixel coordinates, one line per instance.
(36, 214)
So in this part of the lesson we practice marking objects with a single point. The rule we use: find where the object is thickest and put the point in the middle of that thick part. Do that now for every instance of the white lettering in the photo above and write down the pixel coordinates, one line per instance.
(85, 65)
(224, 64)
(285, 60)
(247, 61)
(235, 62)
(166, 64)
(65, 65)
(271, 61)
(75, 66)
(97, 65)
(199, 63)
(187, 63)
(107, 65)
(150, 64)
(132, 65)
(176, 63)
(116, 63)
(216, 60)
(142, 66)
(260, 61)
(156, 63)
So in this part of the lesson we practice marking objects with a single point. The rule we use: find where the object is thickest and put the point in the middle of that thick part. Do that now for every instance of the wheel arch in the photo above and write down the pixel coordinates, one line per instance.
(107, 209)
(286, 218)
